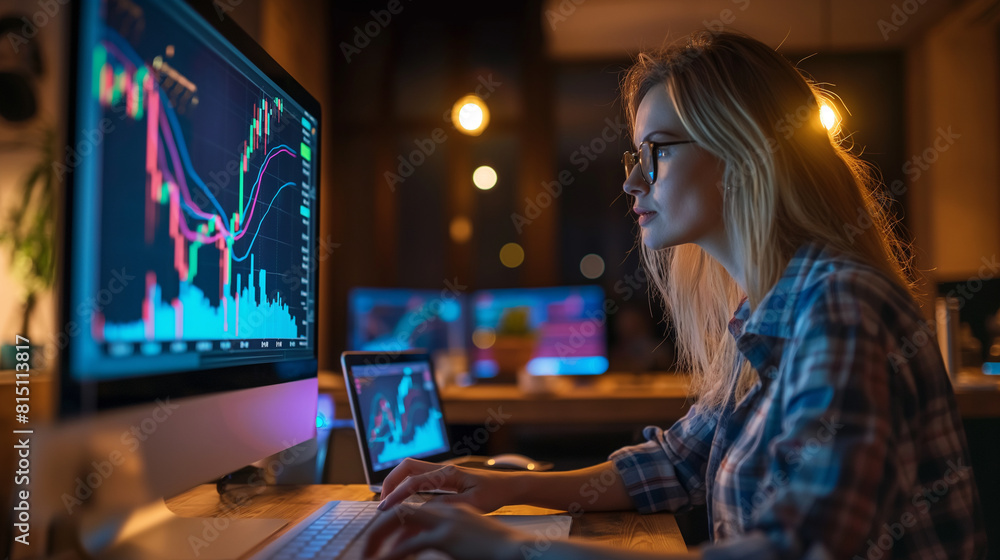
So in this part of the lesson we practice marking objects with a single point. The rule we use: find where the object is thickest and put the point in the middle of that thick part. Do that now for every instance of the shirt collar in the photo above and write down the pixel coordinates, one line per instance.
(775, 316)
(761, 333)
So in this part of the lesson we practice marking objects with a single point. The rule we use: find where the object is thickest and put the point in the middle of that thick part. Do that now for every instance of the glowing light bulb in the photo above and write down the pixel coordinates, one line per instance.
(512, 255)
(460, 229)
(827, 116)
(484, 177)
(592, 266)
(470, 115)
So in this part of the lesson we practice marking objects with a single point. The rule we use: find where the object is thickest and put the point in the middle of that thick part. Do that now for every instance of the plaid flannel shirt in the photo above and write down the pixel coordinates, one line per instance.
(849, 445)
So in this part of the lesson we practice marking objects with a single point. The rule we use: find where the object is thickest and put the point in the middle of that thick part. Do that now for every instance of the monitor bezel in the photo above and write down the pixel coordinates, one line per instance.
(81, 397)
(348, 361)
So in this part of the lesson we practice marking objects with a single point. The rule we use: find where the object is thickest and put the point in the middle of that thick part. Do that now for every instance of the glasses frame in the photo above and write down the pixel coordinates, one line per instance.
(631, 159)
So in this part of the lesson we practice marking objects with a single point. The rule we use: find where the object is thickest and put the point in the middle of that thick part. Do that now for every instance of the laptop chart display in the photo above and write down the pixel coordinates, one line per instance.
(400, 412)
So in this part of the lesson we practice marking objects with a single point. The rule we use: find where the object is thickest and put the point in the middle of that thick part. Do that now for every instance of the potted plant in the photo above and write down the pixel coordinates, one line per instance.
(27, 233)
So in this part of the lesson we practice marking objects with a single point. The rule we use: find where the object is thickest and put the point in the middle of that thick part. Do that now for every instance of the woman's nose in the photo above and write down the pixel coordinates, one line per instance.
(634, 183)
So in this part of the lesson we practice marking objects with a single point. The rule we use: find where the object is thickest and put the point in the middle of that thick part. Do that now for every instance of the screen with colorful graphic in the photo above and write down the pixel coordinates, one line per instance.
(394, 320)
(547, 331)
(194, 200)
(400, 412)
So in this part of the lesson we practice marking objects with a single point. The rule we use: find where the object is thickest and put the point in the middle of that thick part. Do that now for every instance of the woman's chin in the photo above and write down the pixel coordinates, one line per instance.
(656, 242)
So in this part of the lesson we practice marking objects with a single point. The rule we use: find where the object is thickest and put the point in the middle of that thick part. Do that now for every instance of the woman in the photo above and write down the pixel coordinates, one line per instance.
(814, 434)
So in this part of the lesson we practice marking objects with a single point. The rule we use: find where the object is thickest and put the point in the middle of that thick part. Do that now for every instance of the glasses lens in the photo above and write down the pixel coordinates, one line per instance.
(628, 160)
(647, 162)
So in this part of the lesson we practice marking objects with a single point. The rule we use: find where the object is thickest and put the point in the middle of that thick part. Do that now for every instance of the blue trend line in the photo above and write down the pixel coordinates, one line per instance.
(261, 174)
(241, 259)
(179, 138)
(190, 211)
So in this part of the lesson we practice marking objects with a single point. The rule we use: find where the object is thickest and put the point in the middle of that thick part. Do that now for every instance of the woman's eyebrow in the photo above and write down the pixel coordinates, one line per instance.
(660, 133)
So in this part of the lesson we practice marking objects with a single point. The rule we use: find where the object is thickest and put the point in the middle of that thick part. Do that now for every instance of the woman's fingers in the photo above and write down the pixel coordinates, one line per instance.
(407, 468)
(457, 530)
(407, 545)
(406, 517)
(443, 478)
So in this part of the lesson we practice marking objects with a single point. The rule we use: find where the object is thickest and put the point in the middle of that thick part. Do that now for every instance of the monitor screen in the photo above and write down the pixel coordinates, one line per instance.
(188, 277)
(192, 207)
(399, 411)
(393, 320)
(547, 331)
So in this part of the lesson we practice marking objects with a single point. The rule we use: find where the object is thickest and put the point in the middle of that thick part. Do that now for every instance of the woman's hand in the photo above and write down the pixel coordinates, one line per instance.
(457, 530)
(482, 489)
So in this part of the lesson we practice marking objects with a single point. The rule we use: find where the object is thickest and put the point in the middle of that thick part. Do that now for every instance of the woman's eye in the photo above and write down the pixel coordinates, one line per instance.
(664, 151)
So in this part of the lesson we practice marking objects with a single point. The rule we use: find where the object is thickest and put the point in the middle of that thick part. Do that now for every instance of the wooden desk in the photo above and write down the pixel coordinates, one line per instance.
(657, 532)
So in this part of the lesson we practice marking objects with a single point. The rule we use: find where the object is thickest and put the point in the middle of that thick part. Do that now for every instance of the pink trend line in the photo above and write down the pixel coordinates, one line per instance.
(181, 180)
(168, 141)
(196, 236)
(246, 222)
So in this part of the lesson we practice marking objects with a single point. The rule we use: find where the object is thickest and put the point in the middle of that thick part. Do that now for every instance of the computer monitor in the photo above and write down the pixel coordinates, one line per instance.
(188, 276)
(546, 331)
(394, 320)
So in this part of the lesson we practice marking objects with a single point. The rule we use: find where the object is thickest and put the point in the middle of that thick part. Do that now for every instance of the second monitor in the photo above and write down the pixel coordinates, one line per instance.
(544, 331)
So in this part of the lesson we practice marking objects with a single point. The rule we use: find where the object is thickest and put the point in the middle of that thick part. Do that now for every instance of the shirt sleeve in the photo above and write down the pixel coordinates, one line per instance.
(828, 465)
(667, 471)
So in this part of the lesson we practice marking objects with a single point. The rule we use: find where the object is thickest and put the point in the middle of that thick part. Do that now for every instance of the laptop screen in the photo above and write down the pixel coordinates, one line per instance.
(400, 414)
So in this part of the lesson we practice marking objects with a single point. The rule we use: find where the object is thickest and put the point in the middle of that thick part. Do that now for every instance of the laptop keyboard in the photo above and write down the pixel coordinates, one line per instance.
(330, 532)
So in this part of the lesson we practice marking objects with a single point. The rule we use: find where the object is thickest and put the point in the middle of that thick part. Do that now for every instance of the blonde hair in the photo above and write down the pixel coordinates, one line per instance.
(786, 182)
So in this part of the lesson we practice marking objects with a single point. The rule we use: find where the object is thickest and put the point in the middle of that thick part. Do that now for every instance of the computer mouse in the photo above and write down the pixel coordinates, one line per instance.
(513, 461)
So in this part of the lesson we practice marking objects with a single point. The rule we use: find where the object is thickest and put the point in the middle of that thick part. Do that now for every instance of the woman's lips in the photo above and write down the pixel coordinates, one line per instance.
(645, 216)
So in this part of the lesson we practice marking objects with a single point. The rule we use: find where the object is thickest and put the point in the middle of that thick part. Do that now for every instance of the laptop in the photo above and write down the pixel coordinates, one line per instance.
(397, 410)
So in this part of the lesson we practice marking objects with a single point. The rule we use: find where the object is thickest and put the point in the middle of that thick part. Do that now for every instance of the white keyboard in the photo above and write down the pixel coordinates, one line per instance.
(330, 532)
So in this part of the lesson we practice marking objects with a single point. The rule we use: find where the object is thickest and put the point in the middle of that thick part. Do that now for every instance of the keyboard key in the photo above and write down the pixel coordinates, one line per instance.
(329, 534)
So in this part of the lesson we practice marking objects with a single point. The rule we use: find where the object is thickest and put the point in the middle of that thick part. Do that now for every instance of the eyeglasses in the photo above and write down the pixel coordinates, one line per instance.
(647, 158)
